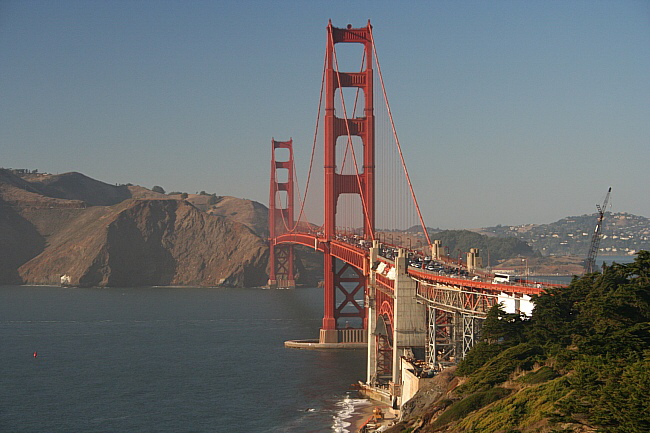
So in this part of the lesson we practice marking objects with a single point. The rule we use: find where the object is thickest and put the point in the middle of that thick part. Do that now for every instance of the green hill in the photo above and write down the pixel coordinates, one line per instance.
(496, 249)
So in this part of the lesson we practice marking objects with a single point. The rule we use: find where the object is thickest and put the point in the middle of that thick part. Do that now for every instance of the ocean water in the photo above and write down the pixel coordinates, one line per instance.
(169, 360)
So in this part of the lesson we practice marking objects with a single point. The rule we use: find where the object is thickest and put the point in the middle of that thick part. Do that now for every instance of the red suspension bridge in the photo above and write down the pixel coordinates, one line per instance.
(401, 300)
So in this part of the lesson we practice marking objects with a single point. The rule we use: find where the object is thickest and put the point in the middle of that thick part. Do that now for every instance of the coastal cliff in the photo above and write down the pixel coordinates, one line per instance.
(104, 235)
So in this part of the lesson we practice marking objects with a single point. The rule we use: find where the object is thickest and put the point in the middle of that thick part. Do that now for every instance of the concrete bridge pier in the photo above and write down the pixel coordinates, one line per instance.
(409, 321)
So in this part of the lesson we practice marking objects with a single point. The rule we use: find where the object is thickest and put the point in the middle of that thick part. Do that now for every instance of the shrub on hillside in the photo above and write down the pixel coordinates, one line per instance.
(469, 404)
(498, 370)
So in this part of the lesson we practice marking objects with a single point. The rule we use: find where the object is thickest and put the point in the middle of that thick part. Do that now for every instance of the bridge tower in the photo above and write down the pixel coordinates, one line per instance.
(346, 281)
(281, 215)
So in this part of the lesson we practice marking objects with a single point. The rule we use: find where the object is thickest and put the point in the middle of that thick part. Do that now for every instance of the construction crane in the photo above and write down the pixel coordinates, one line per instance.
(590, 263)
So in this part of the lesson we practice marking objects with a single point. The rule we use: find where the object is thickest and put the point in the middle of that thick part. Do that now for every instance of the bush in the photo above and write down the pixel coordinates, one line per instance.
(542, 375)
(498, 370)
(469, 404)
(477, 357)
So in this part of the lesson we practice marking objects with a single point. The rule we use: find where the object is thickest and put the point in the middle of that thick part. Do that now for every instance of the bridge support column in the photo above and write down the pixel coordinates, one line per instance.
(281, 267)
(409, 329)
(432, 346)
(328, 333)
(344, 319)
(371, 315)
(436, 250)
(442, 336)
(474, 261)
(468, 333)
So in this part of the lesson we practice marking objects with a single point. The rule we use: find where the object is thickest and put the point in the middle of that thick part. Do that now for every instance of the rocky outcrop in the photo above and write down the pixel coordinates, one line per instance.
(248, 212)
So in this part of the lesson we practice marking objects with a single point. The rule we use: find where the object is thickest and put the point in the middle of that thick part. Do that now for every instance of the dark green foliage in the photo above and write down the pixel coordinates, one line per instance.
(555, 313)
(480, 354)
(158, 189)
(522, 356)
(596, 331)
(503, 328)
(469, 404)
(500, 330)
(612, 393)
(542, 375)
(599, 313)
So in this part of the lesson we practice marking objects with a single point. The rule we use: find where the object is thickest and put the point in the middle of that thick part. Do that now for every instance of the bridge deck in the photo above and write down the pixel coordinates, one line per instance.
(358, 257)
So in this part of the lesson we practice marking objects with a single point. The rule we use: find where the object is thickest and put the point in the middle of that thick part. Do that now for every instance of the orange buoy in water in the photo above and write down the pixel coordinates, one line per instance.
(35, 354)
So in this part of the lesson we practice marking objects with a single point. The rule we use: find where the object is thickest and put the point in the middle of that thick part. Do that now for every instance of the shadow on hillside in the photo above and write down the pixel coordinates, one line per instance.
(19, 243)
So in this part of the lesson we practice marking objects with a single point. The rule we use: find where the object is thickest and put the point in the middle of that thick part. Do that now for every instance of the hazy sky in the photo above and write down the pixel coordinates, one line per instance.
(508, 112)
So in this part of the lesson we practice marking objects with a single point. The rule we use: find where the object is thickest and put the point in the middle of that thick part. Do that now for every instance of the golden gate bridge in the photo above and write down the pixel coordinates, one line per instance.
(402, 301)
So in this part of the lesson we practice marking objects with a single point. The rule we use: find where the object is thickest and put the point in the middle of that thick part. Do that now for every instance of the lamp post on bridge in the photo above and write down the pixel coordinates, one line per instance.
(460, 256)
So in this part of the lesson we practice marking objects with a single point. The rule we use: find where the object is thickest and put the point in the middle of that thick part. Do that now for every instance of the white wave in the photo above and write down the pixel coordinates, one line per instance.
(346, 410)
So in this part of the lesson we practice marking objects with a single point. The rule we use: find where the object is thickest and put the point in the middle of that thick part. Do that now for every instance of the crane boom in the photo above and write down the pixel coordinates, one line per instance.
(590, 263)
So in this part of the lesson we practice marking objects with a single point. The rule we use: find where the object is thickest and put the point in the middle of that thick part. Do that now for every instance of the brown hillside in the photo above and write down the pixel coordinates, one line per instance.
(150, 242)
(108, 235)
(77, 186)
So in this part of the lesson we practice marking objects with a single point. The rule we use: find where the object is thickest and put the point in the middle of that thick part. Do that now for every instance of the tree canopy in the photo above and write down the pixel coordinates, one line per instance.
(595, 332)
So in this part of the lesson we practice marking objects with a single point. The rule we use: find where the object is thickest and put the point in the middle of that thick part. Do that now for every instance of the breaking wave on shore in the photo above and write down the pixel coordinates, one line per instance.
(348, 411)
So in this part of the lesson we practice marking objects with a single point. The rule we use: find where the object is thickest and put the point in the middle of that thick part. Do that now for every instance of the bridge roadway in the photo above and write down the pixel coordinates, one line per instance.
(358, 257)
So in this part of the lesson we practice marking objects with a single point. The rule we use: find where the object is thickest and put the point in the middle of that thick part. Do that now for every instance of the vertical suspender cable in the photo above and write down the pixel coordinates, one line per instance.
(390, 115)
(311, 160)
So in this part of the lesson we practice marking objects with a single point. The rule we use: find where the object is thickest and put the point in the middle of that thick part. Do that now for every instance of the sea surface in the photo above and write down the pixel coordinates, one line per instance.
(169, 360)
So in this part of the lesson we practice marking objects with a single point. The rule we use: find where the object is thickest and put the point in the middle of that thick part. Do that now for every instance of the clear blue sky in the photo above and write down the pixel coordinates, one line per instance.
(509, 112)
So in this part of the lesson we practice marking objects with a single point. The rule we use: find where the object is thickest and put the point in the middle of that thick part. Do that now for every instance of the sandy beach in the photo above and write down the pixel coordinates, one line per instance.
(363, 413)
